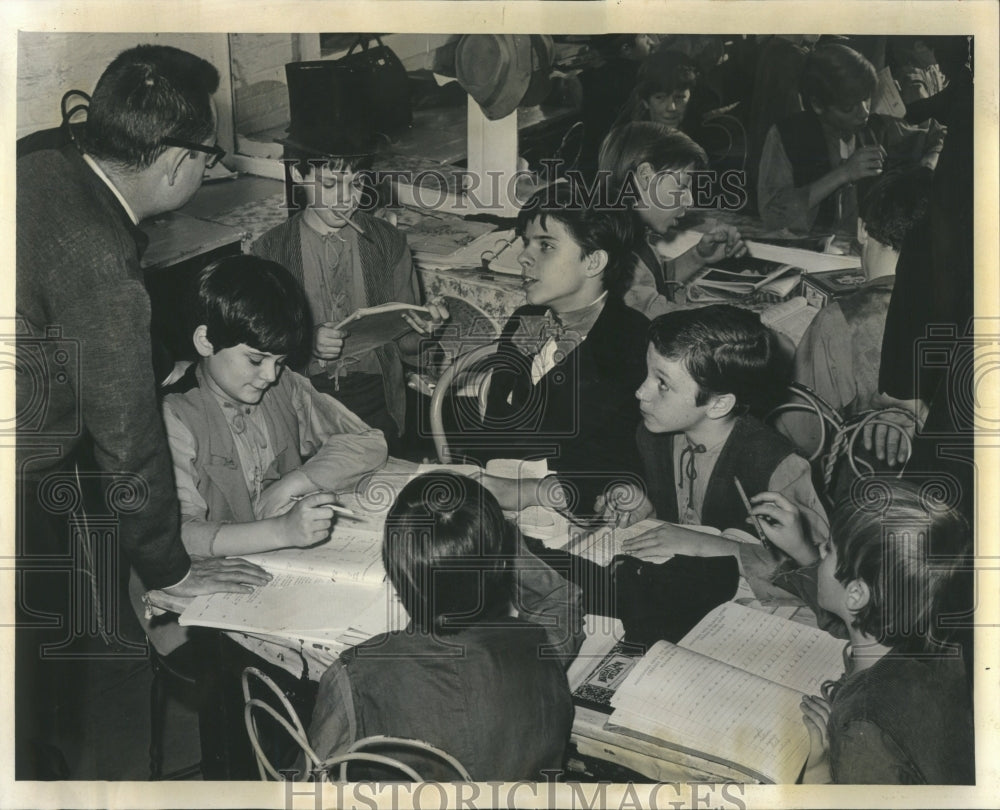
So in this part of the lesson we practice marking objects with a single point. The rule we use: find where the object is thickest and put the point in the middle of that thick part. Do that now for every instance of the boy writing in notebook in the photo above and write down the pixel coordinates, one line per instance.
(707, 369)
(257, 451)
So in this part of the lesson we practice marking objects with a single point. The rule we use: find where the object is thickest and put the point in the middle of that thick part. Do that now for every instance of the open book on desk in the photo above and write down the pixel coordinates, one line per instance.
(350, 555)
(730, 691)
(371, 327)
(736, 278)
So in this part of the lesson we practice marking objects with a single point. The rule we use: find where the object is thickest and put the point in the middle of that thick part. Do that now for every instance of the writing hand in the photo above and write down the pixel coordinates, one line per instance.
(720, 242)
(328, 342)
(308, 522)
(782, 522)
(219, 575)
(866, 161)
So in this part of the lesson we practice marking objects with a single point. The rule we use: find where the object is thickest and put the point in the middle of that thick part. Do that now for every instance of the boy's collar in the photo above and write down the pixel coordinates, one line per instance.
(715, 433)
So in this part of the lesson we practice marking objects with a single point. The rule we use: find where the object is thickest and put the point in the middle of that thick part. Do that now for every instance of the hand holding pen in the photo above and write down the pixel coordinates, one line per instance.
(309, 520)
(336, 508)
(782, 523)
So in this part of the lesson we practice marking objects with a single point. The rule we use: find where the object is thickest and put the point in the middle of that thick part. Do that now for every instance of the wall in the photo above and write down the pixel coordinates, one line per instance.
(50, 64)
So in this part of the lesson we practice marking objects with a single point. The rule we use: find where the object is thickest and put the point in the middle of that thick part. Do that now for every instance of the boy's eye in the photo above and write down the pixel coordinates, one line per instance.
(547, 246)
(255, 361)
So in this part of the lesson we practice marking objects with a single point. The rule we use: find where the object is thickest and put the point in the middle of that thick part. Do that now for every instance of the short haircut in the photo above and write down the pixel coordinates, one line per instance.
(592, 227)
(146, 94)
(895, 204)
(836, 75)
(665, 71)
(449, 552)
(725, 349)
(909, 549)
(630, 145)
(253, 301)
(305, 160)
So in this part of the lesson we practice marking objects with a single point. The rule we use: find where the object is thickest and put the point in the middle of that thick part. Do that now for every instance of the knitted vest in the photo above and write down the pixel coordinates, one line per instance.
(751, 453)
(222, 483)
(379, 255)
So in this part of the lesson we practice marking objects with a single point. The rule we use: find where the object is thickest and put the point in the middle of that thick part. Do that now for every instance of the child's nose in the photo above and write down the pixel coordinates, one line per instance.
(269, 371)
(524, 258)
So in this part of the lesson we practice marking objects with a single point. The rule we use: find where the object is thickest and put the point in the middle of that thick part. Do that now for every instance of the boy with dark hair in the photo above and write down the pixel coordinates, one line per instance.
(817, 164)
(248, 436)
(839, 356)
(567, 363)
(709, 369)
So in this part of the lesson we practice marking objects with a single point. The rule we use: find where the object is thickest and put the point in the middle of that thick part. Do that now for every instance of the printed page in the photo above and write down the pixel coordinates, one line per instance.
(791, 318)
(350, 555)
(290, 605)
(688, 700)
(783, 651)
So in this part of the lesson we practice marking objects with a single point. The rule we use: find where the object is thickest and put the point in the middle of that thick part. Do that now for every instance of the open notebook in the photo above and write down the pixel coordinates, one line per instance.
(730, 691)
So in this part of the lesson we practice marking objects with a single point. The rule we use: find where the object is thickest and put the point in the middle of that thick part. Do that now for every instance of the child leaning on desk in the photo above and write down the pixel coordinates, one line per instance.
(248, 436)
(896, 563)
(707, 370)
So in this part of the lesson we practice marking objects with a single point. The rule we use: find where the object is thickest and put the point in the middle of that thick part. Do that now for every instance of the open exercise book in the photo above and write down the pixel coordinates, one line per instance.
(730, 691)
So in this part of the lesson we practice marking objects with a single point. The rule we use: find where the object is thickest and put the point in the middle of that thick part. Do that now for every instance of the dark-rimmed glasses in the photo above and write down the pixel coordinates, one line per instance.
(215, 152)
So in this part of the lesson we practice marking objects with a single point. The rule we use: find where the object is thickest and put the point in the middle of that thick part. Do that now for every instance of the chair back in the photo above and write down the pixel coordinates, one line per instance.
(452, 377)
(286, 718)
(364, 750)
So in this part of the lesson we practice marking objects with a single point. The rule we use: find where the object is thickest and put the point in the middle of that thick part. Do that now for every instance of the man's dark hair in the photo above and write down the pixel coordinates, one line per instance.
(836, 75)
(591, 227)
(146, 94)
(249, 300)
(895, 204)
(725, 349)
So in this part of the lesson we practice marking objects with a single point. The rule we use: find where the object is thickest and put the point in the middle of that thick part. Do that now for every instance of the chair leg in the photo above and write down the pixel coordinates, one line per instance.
(157, 710)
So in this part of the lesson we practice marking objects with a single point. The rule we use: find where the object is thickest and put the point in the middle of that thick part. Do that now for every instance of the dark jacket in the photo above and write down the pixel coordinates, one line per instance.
(85, 364)
(583, 413)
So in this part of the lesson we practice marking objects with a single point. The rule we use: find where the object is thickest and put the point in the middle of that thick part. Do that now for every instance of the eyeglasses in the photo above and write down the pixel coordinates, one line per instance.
(215, 152)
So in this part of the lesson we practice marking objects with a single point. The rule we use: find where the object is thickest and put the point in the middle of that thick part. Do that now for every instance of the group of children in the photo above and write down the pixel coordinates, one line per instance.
(635, 418)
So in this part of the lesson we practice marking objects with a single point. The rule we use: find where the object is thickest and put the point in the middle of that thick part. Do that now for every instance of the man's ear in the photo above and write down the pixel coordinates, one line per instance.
(721, 405)
(857, 595)
(596, 262)
(862, 233)
(173, 159)
(201, 341)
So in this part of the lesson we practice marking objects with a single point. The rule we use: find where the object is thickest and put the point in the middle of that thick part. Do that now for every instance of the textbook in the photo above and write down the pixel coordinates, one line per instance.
(370, 327)
(730, 691)
(350, 555)
(740, 277)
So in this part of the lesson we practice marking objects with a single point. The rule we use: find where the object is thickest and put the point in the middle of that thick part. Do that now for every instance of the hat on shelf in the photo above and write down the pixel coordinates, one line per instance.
(329, 115)
(495, 69)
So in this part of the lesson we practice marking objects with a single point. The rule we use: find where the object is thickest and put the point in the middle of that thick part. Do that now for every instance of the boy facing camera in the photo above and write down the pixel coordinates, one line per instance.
(257, 451)
(707, 369)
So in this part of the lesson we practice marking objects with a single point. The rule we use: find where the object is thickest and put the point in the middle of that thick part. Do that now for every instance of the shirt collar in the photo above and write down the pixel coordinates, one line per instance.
(582, 320)
(114, 189)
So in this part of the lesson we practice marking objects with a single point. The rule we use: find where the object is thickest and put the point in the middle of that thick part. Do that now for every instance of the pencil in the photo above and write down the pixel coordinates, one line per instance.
(756, 520)
(356, 227)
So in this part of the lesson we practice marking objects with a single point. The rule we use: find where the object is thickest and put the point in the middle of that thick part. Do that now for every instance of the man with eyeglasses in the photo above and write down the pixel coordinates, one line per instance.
(86, 393)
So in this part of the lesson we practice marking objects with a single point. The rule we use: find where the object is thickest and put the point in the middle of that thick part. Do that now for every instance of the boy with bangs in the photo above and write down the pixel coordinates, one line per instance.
(257, 451)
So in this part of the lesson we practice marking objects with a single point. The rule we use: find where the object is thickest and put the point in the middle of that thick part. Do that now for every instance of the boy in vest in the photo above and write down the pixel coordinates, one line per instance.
(257, 451)
(707, 369)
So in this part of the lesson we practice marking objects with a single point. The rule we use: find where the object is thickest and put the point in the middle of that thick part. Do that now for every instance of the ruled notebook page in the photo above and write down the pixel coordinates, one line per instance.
(783, 651)
(707, 707)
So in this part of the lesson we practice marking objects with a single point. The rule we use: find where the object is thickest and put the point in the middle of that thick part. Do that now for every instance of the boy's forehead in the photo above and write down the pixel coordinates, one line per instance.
(666, 366)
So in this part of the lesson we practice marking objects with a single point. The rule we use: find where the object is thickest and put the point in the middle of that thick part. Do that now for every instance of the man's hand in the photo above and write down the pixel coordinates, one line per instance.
(328, 342)
(719, 243)
(886, 439)
(219, 575)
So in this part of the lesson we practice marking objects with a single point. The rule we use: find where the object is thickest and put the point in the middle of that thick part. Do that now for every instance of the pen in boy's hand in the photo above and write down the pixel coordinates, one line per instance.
(340, 510)
(756, 521)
